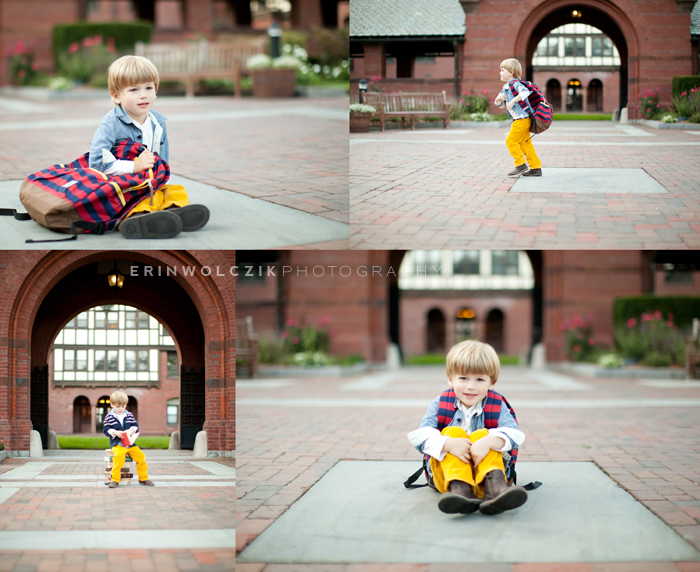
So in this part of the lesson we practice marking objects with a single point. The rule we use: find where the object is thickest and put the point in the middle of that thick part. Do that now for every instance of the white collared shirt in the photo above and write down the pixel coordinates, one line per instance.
(122, 166)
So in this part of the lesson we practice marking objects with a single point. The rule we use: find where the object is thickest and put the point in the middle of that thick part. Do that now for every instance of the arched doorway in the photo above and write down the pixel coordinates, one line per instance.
(465, 325)
(594, 100)
(436, 331)
(101, 411)
(553, 94)
(495, 329)
(604, 15)
(574, 97)
(54, 286)
(81, 415)
(133, 406)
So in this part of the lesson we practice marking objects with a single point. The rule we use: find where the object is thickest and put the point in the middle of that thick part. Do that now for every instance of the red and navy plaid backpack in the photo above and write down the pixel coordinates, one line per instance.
(74, 198)
(536, 106)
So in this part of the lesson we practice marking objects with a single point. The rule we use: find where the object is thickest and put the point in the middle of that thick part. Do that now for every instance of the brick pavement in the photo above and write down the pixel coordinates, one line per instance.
(450, 188)
(292, 153)
(194, 509)
(651, 452)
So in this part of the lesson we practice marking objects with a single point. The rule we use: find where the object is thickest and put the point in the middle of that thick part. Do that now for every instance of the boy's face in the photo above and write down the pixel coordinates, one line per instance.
(137, 100)
(506, 75)
(118, 409)
(471, 388)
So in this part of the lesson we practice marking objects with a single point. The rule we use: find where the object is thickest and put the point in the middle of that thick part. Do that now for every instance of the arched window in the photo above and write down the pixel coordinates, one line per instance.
(465, 325)
(495, 329)
(554, 94)
(133, 407)
(103, 407)
(595, 96)
(436, 331)
(81, 415)
(173, 411)
(574, 98)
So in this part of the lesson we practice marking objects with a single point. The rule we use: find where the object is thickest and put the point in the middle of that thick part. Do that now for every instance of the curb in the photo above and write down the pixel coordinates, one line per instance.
(658, 125)
(594, 371)
(310, 372)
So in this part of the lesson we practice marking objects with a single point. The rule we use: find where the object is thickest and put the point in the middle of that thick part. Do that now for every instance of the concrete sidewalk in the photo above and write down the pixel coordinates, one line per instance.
(604, 185)
(315, 459)
(274, 172)
(57, 514)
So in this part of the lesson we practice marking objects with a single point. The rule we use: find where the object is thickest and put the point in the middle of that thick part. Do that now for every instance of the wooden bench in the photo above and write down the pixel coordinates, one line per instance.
(408, 105)
(201, 60)
(692, 351)
(247, 345)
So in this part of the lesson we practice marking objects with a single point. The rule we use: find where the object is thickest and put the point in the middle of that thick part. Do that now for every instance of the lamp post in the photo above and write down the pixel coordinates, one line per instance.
(362, 84)
(275, 33)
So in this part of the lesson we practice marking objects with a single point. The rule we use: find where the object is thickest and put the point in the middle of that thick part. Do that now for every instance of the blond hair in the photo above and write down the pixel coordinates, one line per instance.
(513, 66)
(128, 71)
(118, 398)
(472, 357)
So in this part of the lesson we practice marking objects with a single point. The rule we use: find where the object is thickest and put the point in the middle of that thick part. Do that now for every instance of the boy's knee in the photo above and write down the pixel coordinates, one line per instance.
(478, 434)
(455, 432)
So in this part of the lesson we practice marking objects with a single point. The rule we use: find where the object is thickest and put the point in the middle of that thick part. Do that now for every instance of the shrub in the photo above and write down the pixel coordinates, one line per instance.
(610, 361)
(302, 337)
(2, 447)
(657, 359)
(683, 309)
(271, 350)
(334, 45)
(653, 338)
(21, 67)
(684, 104)
(125, 35)
(580, 343)
(668, 119)
(684, 83)
(695, 118)
(649, 103)
(470, 103)
(481, 117)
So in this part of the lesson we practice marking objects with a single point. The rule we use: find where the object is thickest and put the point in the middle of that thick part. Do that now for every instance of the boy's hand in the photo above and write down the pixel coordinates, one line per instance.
(479, 450)
(499, 98)
(458, 447)
(145, 160)
(119, 434)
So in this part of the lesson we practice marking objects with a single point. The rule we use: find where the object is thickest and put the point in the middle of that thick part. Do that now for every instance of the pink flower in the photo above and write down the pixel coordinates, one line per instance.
(631, 322)
(464, 93)
(19, 47)
(74, 47)
(295, 340)
(684, 93)
(670, 316)
(591, 342)
(21, 73)
(648, 109)
(657, 315)
(577, 348)
(669, 324)
(285, 334)
(461, 101)
(589, 315)
(647, 317)
(637, 107)
(468, 104)
(658, 105)
(87, 42)
(292, 322)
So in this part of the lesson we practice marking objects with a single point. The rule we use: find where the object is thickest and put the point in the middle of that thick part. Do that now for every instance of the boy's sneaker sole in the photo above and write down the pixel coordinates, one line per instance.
(193, 217)
(453, 503)
(521, 170)
(510, 499)
(159, 224)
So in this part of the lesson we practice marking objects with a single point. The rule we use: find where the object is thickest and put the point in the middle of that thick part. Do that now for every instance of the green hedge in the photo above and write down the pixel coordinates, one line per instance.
(125, 35)
(684, 83)
(683, 308)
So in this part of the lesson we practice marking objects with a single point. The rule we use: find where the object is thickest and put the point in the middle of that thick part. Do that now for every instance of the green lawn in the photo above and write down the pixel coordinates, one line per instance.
(77, 442)
(439, 359)
(583, 117)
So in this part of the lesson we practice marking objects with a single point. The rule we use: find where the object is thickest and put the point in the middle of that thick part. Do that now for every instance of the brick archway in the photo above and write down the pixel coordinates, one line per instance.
(44, 290)
(620, 22)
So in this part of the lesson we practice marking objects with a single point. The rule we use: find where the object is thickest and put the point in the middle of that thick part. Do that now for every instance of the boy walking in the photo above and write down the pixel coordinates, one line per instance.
(133, 82)
(519, 141)
(118, 423)
(467, 433)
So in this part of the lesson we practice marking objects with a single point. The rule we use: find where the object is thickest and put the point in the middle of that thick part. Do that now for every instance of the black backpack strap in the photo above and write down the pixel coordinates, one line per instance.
(94, 227)
(413, 478)
(14, 213)
(532, 486)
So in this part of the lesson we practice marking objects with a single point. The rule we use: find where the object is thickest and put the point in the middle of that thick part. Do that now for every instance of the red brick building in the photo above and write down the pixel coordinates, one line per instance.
(357, 293)
(653, 40)
(191, 292)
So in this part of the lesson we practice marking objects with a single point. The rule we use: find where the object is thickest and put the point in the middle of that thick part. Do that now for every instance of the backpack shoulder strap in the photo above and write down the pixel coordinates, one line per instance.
(446, 408)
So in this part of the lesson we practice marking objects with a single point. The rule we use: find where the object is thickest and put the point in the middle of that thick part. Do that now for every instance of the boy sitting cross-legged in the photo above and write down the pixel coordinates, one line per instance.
(467, 433)
(117, 423)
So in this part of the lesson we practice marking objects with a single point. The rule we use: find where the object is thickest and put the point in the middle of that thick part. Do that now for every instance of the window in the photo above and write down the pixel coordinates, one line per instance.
(81, 362)
(106, 360)
(542, 47)
(100, 360)
(80, 321)
(597, 46)
(678, 273)
(568, 47)
(504, 262)
(173, 369)
(427, 262)
(580, 47)
(465, 262)
(135, 319)
(130, 358)
(553, 47)
(68, 360)
(112, 360)
(109, 320)
(172, 411)
(143, 360)
(100, 319)
(607, 47)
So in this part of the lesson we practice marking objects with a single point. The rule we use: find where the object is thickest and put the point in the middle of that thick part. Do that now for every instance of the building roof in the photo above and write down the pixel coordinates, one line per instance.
(695, 19)
(400, 18)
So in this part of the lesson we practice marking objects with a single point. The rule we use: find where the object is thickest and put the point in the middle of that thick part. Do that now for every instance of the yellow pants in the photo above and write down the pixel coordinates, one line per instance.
(453, 469)
(163, 198)
(136, 454)
(519, 143)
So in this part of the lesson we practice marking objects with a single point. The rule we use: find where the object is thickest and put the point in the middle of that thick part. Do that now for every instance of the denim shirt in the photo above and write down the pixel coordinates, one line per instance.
(505, 419)
(518, 112)
(118, 126)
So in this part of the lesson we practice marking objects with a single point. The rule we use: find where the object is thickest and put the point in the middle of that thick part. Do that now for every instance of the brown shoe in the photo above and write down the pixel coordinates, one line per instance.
(460, 499)
(147, 483)
(113, 484)
(533, 173)
(193, 217)
(519, 170)
(498, 496)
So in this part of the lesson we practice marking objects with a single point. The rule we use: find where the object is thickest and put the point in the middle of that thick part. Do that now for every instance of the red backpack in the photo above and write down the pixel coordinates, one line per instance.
(536, 106)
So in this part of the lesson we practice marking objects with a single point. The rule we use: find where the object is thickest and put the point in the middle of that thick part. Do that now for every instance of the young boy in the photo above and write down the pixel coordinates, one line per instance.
(518, 141)
(466, 456)
(133, 82)
(117, 423)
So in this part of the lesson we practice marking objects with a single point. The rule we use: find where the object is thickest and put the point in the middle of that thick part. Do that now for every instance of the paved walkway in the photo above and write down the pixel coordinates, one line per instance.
(272, 156)
(56, 514)
(646, 442)
(449, 188)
